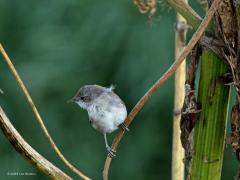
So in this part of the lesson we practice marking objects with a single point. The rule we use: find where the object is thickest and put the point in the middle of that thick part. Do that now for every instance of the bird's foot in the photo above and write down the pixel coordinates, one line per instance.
(123, 126)
(111, 152)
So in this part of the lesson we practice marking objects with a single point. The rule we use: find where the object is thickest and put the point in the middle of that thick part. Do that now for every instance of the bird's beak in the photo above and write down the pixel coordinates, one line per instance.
(71, 100)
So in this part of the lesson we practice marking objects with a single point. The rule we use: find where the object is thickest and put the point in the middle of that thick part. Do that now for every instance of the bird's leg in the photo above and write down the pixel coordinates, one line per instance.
(111, 152)
(123, 126)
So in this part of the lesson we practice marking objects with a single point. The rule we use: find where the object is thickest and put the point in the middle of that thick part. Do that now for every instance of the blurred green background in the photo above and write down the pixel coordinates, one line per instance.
(58, 46)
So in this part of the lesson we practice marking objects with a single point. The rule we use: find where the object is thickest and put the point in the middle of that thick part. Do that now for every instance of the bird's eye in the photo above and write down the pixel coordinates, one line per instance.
(85, 98)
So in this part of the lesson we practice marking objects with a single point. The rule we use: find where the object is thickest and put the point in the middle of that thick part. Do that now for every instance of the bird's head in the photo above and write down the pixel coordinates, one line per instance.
(86, 95)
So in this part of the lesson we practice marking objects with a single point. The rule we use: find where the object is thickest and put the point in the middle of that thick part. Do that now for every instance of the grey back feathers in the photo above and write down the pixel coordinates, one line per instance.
(95, 94)
(111, 100)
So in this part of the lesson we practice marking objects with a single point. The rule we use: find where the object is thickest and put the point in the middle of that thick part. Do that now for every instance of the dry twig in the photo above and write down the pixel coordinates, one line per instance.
(36, 113)
(183, 4)
(197, 35)
(27, 151)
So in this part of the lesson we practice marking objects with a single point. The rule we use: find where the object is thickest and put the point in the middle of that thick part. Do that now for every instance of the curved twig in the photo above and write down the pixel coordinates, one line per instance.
(36, 113)
(197, 35)
(28, 152)
(192, 17)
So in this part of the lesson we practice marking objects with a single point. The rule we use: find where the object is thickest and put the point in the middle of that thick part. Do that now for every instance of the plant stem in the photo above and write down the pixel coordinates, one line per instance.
(180, 77)
(210, 130)
(186, 11)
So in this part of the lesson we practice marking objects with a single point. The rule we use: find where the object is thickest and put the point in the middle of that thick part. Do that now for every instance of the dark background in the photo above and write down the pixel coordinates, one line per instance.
(58, 46)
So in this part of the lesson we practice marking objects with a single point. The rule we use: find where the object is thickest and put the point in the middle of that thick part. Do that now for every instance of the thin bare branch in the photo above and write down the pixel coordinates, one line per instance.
(36, 113)
(184, 5)
(25, 150)
(197, 35)
(192, 17)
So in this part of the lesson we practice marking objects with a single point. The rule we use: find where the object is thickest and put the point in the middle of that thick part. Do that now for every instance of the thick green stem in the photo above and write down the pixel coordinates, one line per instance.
(210, 130)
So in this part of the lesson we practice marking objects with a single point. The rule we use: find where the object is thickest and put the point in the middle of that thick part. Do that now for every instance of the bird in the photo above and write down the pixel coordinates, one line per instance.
(106, 111)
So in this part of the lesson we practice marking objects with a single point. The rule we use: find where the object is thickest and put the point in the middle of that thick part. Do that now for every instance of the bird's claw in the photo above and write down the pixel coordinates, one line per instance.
(111, 152)
(123, 126)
